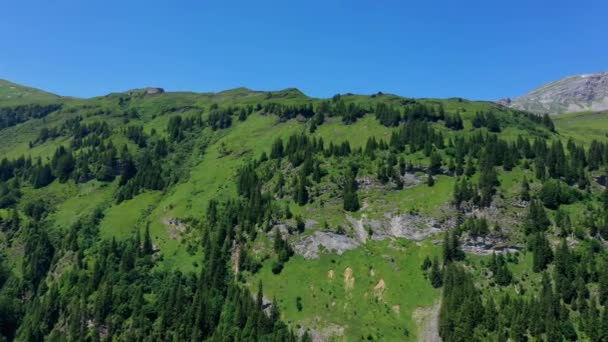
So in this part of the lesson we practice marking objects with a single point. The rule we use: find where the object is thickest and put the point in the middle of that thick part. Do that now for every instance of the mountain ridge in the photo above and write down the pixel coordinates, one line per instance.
(11, 92)
(577, 93)
(230, 93)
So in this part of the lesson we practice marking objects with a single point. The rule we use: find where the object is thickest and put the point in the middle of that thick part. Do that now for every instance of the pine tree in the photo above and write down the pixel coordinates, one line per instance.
(457, 253)
(502, 275)
(448, 254)
(435, 163)
(301, 193)
(147, 248)
(426, 263)
(525, 190)
(317, 173)
(462, 308)
(603, 328)
(491, 316)
(349, 193)
(42, 175)
(260, 296)
(430, 181)
(536, 219)
(436, 276)
(564, 273)
(127, 167)
(603, 286)
(542, 252)
(470, 168)
(276, 151)
(488, 180)
(451, 248)
(540, 169)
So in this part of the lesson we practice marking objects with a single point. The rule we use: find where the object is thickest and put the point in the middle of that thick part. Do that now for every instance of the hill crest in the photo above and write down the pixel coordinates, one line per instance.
(586, 92)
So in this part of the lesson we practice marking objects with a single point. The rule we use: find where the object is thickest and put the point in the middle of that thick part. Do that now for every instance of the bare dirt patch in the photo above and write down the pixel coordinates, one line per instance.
(427, 321)
(349, 279)
(396, 309)
(174, 226)
(329, 332)
(380, 288)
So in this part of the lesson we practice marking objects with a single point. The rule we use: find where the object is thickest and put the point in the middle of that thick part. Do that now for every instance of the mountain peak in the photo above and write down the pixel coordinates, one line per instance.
(586, 92)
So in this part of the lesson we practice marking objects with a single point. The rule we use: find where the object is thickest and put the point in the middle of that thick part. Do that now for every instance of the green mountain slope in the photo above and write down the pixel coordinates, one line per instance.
(349, 213)
(583, 126)
(12, 93)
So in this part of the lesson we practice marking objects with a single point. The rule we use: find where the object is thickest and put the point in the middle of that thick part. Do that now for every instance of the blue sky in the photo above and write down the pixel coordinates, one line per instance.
(473, 49)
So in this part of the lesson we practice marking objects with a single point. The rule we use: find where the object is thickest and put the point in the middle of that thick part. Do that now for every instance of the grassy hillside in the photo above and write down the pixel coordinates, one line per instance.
(12, 94)
(583, 126)
(202, 176)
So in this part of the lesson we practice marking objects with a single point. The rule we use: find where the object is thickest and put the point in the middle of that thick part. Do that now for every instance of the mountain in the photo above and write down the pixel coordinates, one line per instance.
(250, 215)
(578, 93)
(12, 93)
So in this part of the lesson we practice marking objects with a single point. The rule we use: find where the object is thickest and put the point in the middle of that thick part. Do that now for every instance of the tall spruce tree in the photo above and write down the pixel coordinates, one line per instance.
(349, 193)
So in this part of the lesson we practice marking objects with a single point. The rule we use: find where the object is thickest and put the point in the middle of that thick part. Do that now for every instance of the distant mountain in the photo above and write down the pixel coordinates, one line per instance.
(578, 93)
(12, 93)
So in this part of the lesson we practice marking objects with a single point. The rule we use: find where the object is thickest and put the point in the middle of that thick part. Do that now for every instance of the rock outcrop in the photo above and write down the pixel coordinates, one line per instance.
(152, 91)
(358, 231)
(311, 245)
(571, 94)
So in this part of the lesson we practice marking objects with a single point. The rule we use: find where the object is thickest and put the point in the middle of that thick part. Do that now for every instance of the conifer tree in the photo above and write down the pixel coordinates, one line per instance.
(349, 193)
(542, 252)
(436, 276)
(435, 163)
(147, 246)
(430, 181)
(500, 272)
(301, 193)
(536, 219)
(470, 168)
(603, 286)
(525, 190)
(564, 273)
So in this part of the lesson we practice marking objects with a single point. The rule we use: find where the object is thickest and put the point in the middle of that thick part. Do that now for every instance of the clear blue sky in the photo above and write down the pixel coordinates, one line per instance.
(474, 49)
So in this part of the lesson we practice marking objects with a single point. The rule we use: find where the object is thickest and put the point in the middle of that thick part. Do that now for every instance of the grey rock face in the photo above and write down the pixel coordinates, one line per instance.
(571, 94)
(310, 246)
(409, 226)
(152, 91)
(504, 101)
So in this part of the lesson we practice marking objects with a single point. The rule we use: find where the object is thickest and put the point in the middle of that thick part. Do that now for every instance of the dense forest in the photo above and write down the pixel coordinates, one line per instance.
(77, 282)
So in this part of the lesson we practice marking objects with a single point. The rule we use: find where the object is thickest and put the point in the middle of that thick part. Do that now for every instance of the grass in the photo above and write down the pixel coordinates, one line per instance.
(15, 139)
(525, 281)
(211, 176)
(422, 198)
(124, 219)
(583, 127)
(85, 199)
(15, 94)
(364, 309)
(356, 134)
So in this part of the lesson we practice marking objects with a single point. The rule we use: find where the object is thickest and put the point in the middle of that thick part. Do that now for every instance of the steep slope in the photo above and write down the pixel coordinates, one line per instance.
(583, 126)
(578, 93)
(12, 93)
(162, 214)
